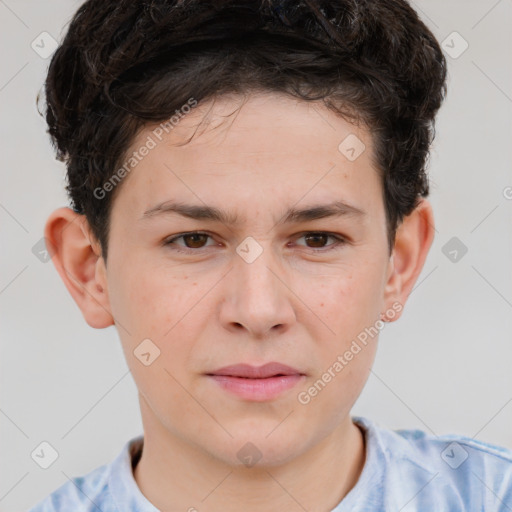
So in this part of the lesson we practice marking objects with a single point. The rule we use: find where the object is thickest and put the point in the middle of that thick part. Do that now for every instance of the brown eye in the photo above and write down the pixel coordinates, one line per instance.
(195, 240)
(317, 241)
(192, 241)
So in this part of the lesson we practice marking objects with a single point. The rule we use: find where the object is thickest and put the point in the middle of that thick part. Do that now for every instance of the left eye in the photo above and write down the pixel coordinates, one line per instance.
(195, 240)
(320, 237)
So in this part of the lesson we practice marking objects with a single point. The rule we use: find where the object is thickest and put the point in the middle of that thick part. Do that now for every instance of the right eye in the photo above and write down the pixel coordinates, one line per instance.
(194, 241)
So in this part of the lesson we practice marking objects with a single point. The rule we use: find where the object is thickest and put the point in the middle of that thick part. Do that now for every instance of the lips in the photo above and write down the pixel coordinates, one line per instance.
(257, 372)
(257, 383)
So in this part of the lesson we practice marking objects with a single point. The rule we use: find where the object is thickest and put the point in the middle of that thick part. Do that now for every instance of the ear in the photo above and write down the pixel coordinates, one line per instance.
(412, 243)
(77, 257)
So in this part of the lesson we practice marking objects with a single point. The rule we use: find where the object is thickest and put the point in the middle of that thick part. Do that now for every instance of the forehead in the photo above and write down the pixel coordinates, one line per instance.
(250, 155)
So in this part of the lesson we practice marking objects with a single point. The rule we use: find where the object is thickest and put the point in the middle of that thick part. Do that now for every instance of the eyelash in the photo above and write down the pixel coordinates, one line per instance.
(340, 241)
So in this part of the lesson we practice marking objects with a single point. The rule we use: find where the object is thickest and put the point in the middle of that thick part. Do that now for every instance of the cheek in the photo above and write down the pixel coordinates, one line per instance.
(346, 301)
(162, 310)
(349, 306)
(152, 301)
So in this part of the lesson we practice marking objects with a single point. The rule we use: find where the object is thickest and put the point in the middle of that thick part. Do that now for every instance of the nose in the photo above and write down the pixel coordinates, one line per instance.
(257, 297)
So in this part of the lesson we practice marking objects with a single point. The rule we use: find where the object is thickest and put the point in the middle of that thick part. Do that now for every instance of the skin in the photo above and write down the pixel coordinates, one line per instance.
(210, 308)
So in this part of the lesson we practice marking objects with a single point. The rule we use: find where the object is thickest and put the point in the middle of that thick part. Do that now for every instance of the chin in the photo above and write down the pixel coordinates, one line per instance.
(258, 449)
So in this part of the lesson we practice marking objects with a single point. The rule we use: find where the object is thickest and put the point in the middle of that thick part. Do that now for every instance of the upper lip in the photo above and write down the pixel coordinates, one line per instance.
(256, 372)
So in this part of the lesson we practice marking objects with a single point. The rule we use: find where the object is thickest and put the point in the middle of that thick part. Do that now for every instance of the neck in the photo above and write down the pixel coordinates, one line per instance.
(175, 475)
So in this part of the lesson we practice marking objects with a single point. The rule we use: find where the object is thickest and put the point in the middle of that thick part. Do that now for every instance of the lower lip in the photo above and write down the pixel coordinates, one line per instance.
(258, 390)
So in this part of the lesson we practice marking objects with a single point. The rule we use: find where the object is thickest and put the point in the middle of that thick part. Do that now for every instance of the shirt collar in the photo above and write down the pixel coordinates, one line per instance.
(124, 489)
(128, 497)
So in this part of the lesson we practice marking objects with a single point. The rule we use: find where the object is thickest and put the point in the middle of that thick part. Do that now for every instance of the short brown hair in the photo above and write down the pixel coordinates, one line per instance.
(124, 63)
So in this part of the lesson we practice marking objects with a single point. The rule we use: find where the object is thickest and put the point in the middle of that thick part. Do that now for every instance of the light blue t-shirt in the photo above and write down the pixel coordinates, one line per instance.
(405, 470)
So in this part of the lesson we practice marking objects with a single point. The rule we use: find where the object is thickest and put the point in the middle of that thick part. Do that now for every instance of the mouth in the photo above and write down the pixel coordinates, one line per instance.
(257, 383)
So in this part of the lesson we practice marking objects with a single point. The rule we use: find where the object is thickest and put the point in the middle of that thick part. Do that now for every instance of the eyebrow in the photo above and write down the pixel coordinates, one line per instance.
(293, 215)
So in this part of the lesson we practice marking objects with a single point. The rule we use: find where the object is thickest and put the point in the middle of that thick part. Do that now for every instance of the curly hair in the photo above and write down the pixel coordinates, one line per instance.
(126, 63)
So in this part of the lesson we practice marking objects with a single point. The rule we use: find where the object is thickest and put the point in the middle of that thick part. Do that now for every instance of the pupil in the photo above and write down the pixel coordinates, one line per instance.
(195, 235)
(316, 236)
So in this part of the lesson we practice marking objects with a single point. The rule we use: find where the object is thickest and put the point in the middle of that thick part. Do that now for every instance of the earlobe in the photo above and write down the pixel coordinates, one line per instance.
(78, 261)
(413, 240)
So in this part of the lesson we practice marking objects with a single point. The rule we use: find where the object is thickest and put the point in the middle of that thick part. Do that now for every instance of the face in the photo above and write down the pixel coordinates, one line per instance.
(241, 276)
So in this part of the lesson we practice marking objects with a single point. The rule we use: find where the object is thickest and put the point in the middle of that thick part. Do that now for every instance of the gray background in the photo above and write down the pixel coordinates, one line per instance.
(443, 368)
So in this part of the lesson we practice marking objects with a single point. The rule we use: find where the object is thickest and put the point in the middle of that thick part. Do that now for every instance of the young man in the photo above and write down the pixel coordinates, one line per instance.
(248, 208)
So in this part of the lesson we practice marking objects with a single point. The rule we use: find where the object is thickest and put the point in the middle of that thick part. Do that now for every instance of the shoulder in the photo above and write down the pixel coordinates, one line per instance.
(85, 493)
(471, 474)
(456, 449)
(109, 488)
